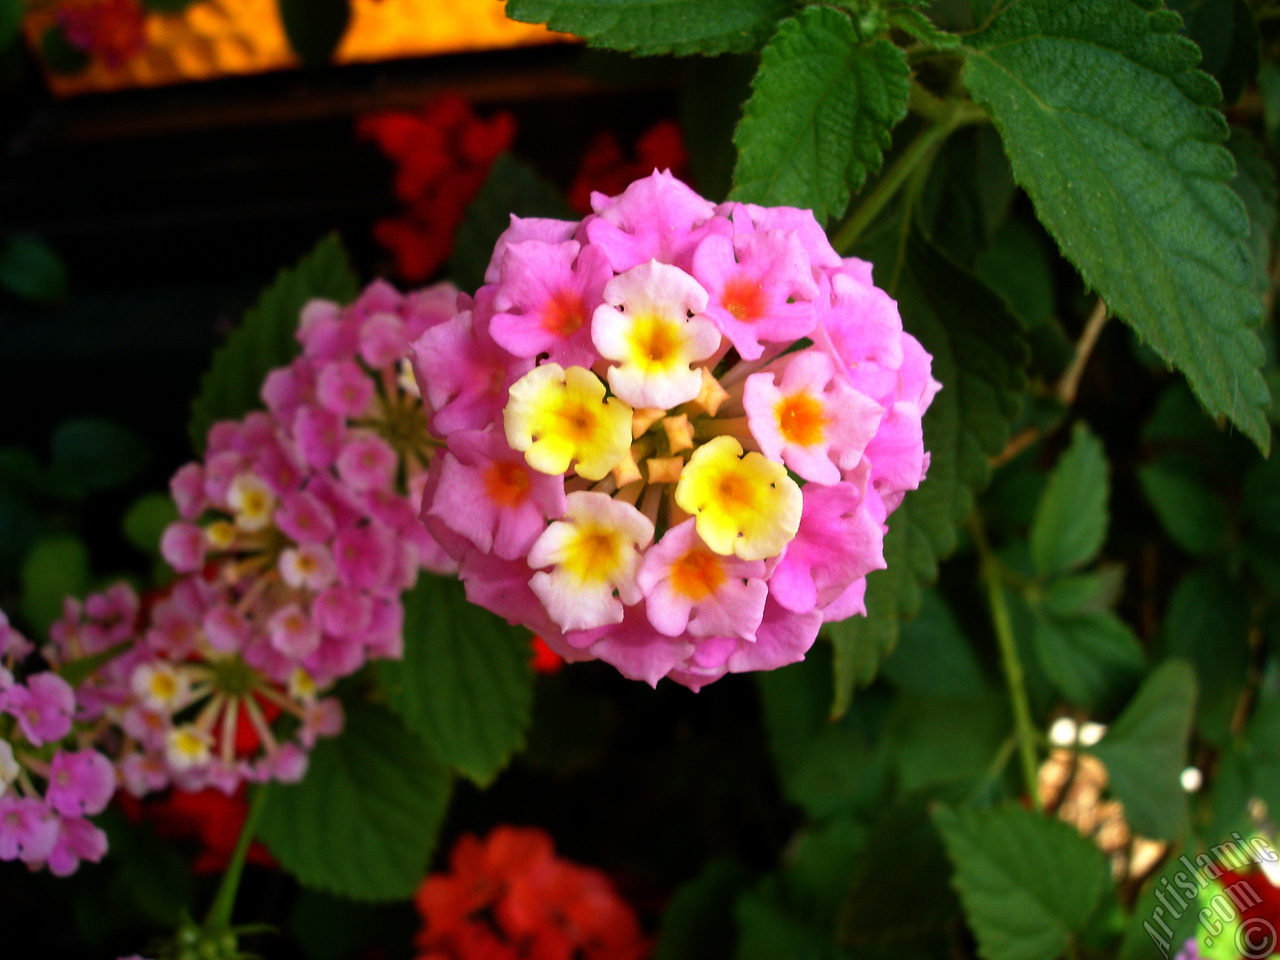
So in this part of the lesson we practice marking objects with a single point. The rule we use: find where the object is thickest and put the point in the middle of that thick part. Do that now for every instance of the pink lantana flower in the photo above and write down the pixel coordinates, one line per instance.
(50, 776)
(299, 534)
(548, 294)
(695, 488)
(813, 421)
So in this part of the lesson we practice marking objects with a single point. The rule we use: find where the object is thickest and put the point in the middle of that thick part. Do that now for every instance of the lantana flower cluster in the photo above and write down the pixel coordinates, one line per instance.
(673, 432)
(509, 897)
(51, 780)
(442, 154)
(297, 536)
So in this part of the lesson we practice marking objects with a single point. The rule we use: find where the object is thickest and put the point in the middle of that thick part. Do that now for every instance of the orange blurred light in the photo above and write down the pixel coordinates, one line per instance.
(219, 38)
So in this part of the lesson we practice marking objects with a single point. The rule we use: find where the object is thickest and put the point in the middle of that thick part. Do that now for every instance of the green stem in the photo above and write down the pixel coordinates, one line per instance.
(944, 117)
(219, 916)
(917, 151)
(1023, 725)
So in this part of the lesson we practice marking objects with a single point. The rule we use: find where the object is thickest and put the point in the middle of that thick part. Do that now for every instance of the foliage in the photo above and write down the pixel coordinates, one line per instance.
(266, 337)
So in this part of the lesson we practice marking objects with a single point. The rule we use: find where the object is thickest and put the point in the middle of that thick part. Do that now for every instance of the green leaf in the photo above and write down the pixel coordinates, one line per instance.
(917, 25)
(146, 520)
(314, 28)
(1157, 931)
(1207, 624)
(935, 740)
(968, 195)
(31, 269)
(10, 21)
(978, 353)
(1145, 751)
(1260, 504)
(1016, 265)
(93, 454)
(56, 567)
(1071, 519)
(1091, 656)
(1112, 133)
(1028, 884)
(1190, 512)
(363, 821)
(1255, 184)
(898, 904)
(511, 188)
(822, 109)
(648, 27)
(698, 922)
(933, 655)
(828, 769)
(791, 915)
(267, 336)
(1227, 36)
(465, 684)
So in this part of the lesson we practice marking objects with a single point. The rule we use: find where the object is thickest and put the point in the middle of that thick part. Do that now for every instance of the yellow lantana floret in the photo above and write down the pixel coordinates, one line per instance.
(744, 505)
(556, 416)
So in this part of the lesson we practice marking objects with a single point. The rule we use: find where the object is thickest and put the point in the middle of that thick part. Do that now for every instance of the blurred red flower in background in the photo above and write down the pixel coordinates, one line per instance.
(210, 819)
(606, 168)
(509, 897)
(442, 155)
(108, 30)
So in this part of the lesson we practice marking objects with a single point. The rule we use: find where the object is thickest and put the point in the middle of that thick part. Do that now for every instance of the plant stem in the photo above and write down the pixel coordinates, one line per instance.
(945, 117)
(1070, 381)
(917, 150)
(1023, 725)
(219, 916)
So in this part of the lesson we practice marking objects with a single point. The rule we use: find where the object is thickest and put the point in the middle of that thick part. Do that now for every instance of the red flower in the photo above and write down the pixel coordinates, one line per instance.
(545, 660)
(509, 897)
(442, 155)
(606, 169)
(210, 818)
(109, 30)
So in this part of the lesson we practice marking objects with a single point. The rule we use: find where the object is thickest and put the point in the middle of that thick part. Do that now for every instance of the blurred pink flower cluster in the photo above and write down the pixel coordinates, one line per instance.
(50, 779)
(297, 537)
(298, 533)
(673, 432)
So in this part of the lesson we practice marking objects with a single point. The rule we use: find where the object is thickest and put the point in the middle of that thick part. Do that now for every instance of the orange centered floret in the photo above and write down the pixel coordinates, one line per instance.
(506, 484)
(744, 299)
(801, 419)
(556, 416)
(743, 505)
(564, 313)
(697, 575)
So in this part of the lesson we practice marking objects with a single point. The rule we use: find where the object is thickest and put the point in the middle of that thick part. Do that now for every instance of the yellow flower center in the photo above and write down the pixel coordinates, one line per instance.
(656, 342)
(594, 554)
